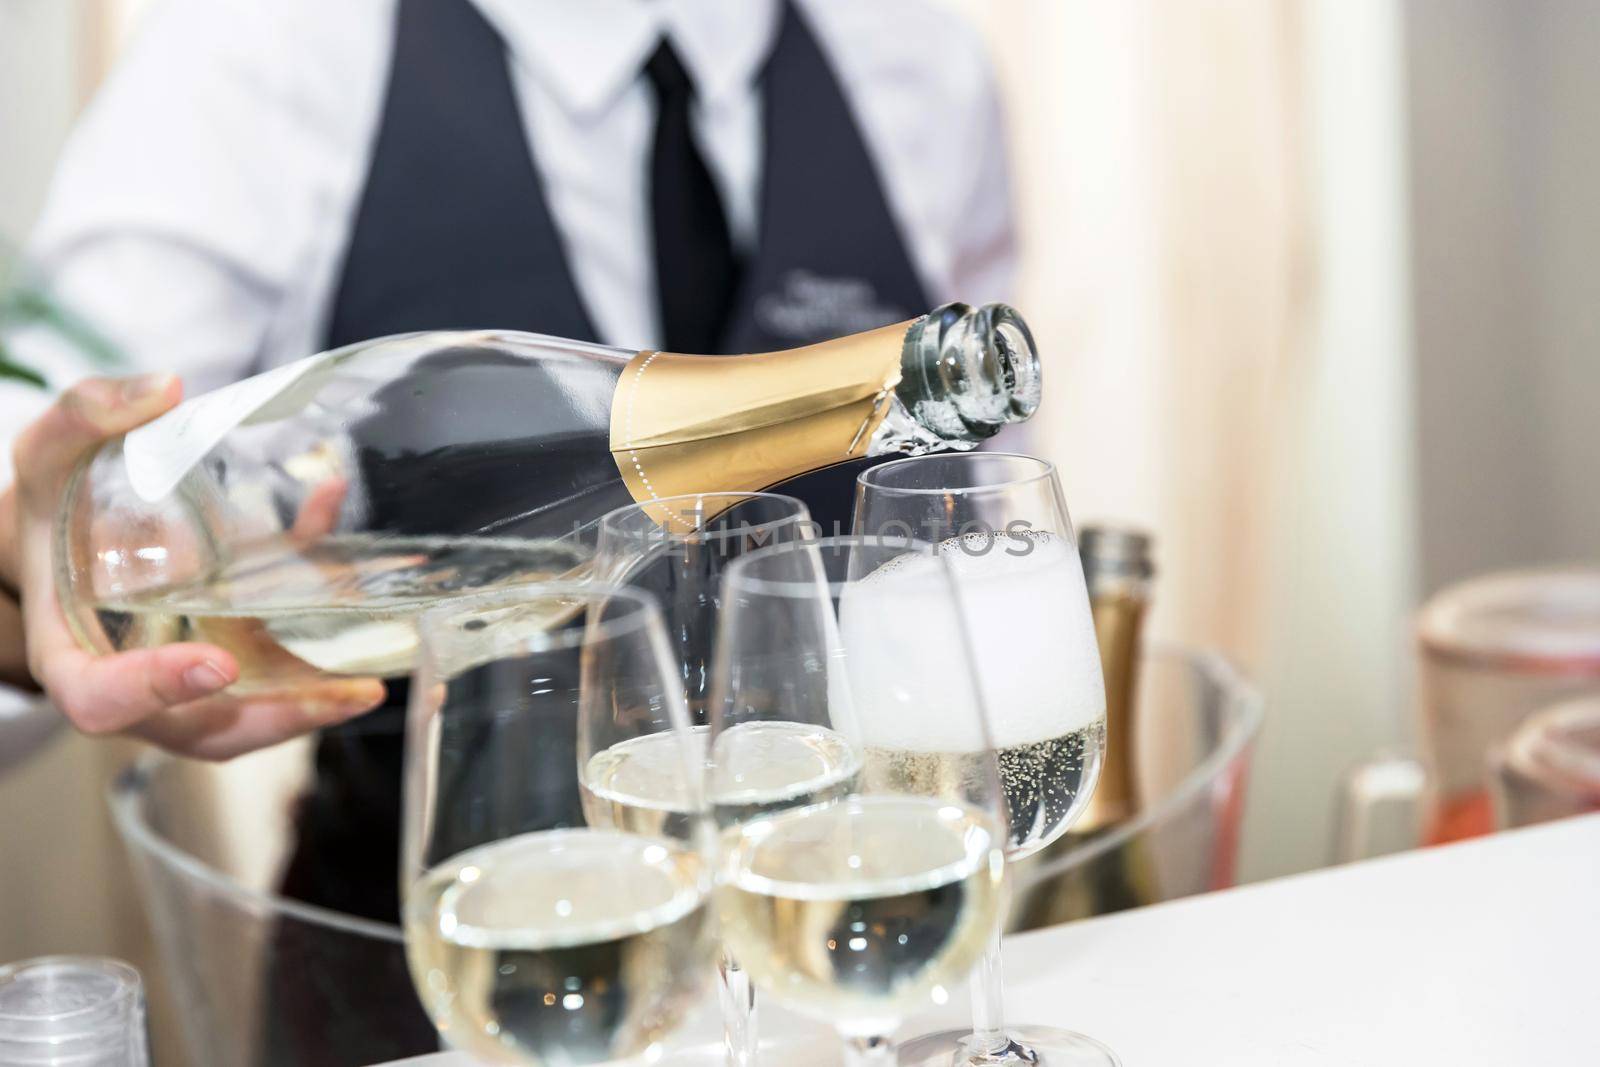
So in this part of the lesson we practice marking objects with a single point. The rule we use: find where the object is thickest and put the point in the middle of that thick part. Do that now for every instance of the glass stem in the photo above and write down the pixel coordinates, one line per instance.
(988, 1013)
(869, 1052)
(738, 997)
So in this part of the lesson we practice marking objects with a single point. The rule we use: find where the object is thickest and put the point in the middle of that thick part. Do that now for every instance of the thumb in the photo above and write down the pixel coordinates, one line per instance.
(86, 415)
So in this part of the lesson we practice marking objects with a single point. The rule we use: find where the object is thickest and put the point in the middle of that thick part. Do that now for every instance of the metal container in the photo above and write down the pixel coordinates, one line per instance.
(1197, 721)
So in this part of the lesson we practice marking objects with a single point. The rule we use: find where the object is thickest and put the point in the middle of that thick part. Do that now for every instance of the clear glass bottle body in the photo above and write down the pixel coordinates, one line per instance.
(338, 501)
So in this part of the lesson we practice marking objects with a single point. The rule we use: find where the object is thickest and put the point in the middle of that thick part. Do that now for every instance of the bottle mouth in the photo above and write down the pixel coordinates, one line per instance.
(966, 372)
(1115, 552)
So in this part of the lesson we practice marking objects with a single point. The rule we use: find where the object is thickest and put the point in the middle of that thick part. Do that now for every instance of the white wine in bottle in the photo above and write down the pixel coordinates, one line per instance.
(341, 606)
(301, 518)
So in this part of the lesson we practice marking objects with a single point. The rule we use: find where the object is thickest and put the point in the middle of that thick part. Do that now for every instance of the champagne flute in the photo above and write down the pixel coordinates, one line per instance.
(856, 893)
(532, 936)
(1001, 523)
(676, 548)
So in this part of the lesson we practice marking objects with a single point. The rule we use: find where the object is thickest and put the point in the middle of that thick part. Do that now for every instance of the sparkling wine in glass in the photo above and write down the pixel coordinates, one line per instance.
(1000, 523)
(677, 549)
(533, 936)
(861, 898)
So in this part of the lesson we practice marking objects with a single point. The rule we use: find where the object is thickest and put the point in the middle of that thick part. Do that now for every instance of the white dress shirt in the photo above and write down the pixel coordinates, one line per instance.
(201, 209)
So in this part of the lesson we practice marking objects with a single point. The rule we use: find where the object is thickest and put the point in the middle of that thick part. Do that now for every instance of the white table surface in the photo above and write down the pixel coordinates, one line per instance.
(1483, 953)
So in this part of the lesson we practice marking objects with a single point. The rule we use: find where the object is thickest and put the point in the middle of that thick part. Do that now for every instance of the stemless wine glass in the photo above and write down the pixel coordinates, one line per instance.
(676, 548)
(860, 880)
(1000, 522)
(534, 937)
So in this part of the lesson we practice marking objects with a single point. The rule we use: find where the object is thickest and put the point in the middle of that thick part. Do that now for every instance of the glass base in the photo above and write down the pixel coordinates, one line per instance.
(1031, 1046)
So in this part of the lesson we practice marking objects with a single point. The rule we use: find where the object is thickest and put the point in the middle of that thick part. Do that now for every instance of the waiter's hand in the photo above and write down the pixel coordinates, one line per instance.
(172, 695)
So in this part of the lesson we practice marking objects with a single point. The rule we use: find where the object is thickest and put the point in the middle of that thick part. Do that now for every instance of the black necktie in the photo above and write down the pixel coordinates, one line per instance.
(696, 270)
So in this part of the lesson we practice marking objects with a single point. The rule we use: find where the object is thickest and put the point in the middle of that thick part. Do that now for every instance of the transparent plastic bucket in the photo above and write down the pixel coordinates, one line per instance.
(263, 981)
(1196, 722)
(258, 980)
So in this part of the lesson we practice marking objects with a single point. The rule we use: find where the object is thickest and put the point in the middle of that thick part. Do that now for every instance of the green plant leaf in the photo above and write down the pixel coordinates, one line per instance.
(23, 305)
(17, 372)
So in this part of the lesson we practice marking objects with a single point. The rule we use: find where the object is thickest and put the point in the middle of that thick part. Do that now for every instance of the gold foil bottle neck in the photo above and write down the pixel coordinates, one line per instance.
(696, 424)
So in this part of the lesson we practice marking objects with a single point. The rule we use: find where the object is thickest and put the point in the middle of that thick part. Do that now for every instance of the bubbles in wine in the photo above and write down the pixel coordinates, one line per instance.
(1020, 622)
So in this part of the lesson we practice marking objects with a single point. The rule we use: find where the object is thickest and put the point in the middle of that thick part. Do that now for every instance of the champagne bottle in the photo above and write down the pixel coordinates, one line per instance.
(1118, 570)
(1106, 878)
(302, 517)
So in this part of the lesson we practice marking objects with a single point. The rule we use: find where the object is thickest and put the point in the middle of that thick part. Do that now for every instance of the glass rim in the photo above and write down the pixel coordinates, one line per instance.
(736, 578)
(1044, 470)
(126, 796)
(610, 522)
(644, 609)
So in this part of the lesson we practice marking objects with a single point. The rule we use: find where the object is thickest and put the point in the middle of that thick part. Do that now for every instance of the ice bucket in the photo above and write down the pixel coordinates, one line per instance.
(1196, 722)
(264, 981)
(258, 980)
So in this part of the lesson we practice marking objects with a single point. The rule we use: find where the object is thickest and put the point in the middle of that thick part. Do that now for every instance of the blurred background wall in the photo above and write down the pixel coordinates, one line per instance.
(1213, 210)
(64, 884)
(1312, 277)
(41, 81)
(1503, 105)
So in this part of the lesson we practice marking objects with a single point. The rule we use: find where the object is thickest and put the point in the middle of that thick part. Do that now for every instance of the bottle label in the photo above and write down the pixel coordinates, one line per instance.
(158, 454)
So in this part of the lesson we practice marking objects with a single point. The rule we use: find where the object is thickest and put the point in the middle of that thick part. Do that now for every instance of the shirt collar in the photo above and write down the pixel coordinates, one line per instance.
(587, 53)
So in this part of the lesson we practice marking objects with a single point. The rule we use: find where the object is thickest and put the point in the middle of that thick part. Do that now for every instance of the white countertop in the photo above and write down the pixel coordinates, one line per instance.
(1484, 953)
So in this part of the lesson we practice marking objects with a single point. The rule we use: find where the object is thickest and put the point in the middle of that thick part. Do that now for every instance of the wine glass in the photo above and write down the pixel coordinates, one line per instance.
(532, 936)
(676, 548)
(1001, 523)
(860, 879)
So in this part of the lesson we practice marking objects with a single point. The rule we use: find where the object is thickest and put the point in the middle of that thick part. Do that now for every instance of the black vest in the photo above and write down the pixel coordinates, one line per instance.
(454, 231)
